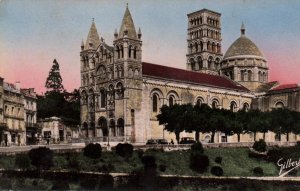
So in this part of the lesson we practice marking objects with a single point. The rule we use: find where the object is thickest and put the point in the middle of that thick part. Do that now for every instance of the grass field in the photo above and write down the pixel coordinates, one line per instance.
(235, 162)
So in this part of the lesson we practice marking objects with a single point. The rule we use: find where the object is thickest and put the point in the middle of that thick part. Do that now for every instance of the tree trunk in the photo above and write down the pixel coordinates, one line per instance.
(212, 139)
(197, 135)
(254, 136)
(287, 137)
(177, 134)
(239, 137)
(279, 136)
(264, 136)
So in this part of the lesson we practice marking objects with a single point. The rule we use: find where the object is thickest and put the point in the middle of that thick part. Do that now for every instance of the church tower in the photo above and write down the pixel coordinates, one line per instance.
(128, 73)
(204, 41)
(87, 71)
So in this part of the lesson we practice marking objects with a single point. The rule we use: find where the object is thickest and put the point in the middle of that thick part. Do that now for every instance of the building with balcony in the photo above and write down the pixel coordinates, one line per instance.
(13, 113)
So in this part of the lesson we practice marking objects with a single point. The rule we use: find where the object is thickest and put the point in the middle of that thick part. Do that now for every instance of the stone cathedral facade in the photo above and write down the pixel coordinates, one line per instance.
(121, 95)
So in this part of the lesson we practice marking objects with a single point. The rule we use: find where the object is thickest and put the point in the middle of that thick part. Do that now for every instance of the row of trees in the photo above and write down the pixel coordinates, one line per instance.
(57, 101)
(203, 119)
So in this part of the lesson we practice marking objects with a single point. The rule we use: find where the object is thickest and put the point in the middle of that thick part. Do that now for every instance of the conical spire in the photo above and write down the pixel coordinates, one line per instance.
(93, 39)
(127, 25)
(243, 30)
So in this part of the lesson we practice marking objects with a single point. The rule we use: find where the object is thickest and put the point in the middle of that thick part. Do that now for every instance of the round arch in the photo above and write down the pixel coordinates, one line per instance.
(172, 97)
(215, 102)
(279, 104)
(233, 106)
(199, 100)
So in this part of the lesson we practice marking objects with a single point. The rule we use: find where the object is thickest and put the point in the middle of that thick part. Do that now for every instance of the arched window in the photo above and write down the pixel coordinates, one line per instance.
(214, 49)
(196, 47)
(233, 106)
(246, 107)
(215, 104)
(171, 101)
(112, 128)
(120, 127)
(102, 99)
(208, 46)
(129, 51)
(192, 62)
(210, 63)
(279, 104)
(217, 64)
(118, 52)
(155, 103)
(249, 75)
(134, 52)
(199, 101)
(259, 76)
(201, 45)
(263, 77)
(242, 75)
(122, 51)
(200, 63)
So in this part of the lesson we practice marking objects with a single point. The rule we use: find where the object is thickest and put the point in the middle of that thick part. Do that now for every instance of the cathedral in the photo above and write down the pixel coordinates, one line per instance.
(121, 95)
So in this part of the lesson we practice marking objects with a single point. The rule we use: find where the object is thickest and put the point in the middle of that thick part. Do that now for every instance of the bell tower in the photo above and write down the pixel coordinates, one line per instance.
(204, 41)
(128, 73)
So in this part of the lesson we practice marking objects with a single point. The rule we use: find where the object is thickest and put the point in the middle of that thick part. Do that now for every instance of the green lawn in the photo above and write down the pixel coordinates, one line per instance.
(235, 162)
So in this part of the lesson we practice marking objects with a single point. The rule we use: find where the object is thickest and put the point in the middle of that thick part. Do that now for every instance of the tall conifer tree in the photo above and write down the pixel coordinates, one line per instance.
(54, 80)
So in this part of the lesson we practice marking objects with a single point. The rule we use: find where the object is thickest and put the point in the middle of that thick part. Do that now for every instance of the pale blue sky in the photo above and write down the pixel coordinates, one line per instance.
(33, 33)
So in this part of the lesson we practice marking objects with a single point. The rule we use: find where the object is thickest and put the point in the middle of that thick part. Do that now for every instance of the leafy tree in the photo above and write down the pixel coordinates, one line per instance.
(199, 119)
(174, 118)
(54, 80)
(254, 123)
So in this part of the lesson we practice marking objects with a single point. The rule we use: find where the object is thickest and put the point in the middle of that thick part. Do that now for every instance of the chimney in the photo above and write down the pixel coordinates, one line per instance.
(18, 86)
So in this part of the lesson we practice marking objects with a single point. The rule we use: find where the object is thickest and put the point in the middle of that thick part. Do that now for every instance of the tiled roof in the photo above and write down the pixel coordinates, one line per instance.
(169, 73)
(266, 86)
(285, 87)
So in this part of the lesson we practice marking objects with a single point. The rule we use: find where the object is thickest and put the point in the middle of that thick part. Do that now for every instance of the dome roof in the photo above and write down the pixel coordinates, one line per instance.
(243, 46)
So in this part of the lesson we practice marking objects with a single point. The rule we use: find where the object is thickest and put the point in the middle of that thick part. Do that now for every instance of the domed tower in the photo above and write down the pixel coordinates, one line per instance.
(243, 62)
(204, 41)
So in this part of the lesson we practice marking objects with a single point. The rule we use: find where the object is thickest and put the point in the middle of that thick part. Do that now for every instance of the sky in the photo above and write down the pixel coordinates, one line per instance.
(33, 33)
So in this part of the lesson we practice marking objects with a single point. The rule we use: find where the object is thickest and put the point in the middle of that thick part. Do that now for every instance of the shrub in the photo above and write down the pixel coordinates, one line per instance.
(73, 162)
(41, 157)
(106, 168)
(218, 160)
(216, 170)
(124, 150)
(162, 168)
(92, 150)
(140, 153)
(260, 146)
(22, 161)
(197, 148)
(274, 154)
(258, 171)
(149, 162)
(199, 162)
